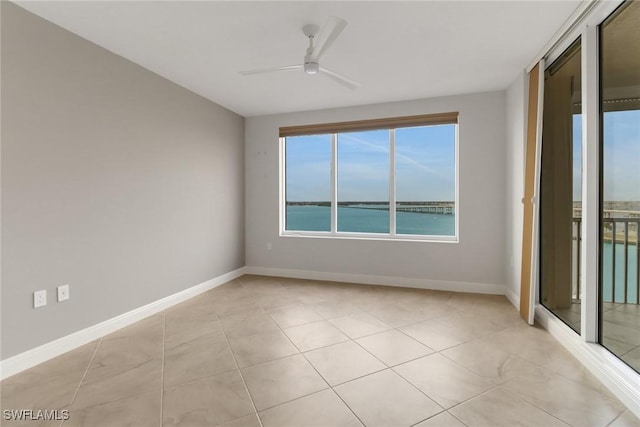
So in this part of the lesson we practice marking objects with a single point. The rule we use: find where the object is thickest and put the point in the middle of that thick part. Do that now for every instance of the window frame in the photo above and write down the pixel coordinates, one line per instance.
(389, 124)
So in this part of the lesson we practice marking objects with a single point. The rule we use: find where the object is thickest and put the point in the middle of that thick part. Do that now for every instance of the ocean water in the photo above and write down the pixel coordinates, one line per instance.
(632, 272)
(368, 219)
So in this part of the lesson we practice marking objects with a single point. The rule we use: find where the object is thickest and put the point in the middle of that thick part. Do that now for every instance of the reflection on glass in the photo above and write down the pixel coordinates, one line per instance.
(363, 181)
(308, 183)
(560, 188)
(620, 209)
(425, 180)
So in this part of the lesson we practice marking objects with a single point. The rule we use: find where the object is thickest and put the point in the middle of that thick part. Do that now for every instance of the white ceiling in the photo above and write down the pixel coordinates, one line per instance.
(396, 50)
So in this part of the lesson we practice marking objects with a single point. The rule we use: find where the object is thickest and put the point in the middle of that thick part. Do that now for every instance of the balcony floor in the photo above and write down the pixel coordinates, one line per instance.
(621, 329)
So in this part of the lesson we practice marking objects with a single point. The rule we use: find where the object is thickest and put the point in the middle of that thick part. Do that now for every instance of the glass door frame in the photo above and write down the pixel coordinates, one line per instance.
(587, 28)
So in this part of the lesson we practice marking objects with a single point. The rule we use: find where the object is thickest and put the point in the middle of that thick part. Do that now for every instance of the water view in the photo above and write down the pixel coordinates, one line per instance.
(371, 217)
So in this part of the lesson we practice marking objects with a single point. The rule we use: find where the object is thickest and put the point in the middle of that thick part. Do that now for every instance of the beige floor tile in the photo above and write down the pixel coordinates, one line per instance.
(500, 408)
(343, 362)
(189, 322)
(466, 327)
(294, 316)
(569, 367)
(133, 345)
(626, 334)
(126, 363)
(615, 346)
(483, 341)
(427, 308)
(232, 303)
(431, 334)
(211, 401)
(248, 323)
(396, 315)
(629, 317)
(282, 380)
(50, 385)
(276, 302)
(249, 421)
(631, 308)
(199, 358)
(632, 358)
(200, 306)
(393, 347)
(254, 349)
(502, 313)
(322, 409)
(570, 401)
(315, 335)
(135, 411)
(359, 325)
(443, 419)
(444, 381)
(627, 419)
(111, 383)
(528, 342)
(332, 309)
(489, 362)
(385, 399)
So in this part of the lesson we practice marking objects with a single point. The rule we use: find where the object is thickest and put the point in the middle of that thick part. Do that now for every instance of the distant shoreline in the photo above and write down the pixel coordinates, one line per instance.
(370, 203)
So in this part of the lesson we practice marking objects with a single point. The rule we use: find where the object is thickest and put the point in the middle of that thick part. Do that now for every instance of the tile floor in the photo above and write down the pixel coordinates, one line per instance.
(282, 352)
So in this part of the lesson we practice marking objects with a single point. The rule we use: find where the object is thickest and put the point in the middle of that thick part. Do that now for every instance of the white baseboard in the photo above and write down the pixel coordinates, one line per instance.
(35, 356)
(619, 378)
(513, 298)
(407, 282)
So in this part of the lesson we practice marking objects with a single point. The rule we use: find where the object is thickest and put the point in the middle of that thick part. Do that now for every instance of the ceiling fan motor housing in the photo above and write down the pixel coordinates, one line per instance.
(311, 65)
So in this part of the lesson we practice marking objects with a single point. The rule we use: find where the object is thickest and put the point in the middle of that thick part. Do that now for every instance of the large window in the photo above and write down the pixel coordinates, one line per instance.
(394, 178)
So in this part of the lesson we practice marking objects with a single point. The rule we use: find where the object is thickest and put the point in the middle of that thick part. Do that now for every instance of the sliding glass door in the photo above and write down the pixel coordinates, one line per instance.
(560, 188)
(589, 188)
(620, 187)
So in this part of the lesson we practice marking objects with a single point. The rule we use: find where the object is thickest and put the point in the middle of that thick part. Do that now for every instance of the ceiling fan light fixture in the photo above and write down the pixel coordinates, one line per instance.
(311, 67)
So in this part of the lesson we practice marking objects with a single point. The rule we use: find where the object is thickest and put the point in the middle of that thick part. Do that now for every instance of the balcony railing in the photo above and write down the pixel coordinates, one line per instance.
(620, 260)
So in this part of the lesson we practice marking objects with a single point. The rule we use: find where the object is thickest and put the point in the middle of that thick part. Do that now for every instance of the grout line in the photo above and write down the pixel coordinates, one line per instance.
(431, 416)
(348, 407)
(164, 345)
(616, 418)
(319, 374)
(75, 394)
(235, 360)
(297, 398)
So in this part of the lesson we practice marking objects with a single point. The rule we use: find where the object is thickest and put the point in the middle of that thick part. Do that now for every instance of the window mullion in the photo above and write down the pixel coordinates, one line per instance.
(590, 185)
(334, 183)
(392, 182)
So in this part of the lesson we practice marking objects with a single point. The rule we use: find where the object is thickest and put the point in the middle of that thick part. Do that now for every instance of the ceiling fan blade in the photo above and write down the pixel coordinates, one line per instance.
(329, 33)
(271, 70)
(345, 81)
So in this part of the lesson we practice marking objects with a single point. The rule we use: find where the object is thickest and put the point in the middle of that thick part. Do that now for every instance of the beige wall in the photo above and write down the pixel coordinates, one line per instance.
(114, 180)
(476, 263)
(517, 97)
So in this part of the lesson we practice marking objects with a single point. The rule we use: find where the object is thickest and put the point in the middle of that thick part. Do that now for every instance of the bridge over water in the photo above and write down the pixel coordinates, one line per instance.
(441, 208)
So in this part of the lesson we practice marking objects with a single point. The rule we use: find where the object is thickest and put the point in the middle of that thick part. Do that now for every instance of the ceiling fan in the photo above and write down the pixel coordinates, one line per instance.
(319, 42)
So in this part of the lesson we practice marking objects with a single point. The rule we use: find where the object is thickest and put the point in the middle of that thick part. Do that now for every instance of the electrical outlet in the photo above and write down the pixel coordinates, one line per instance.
(40, 298)
(63, 293)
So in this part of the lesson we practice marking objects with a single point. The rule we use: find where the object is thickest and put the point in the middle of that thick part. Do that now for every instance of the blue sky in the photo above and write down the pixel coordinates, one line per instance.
(425, 159)
(621, 156)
